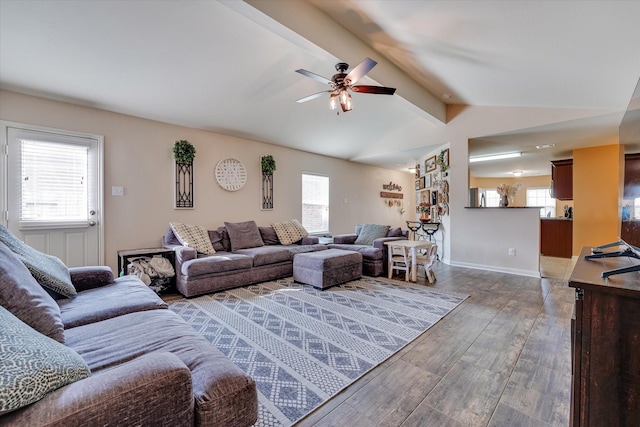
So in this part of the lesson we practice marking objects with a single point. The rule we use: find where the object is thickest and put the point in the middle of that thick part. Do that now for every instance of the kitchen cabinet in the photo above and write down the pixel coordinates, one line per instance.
(556, 237)
(631, 176)
(605, 344)
(562, 179)
(630, 232)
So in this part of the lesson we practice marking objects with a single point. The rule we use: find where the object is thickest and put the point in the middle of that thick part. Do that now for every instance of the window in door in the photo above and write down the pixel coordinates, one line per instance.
(315, 203)
(53, 180)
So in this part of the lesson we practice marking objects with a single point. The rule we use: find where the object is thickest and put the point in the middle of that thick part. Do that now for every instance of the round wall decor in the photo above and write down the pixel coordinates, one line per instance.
(231, 174)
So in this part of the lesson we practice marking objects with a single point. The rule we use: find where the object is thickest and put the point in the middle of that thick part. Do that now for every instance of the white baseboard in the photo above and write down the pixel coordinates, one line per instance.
(519, 272)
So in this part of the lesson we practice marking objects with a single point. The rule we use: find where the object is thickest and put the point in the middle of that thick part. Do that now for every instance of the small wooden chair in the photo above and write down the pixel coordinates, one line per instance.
(400, 260)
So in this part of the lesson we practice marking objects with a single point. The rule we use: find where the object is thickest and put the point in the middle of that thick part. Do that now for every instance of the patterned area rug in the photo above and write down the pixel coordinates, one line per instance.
(303, 345)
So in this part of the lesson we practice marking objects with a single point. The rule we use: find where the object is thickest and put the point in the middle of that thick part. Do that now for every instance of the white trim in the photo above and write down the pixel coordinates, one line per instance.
(498, 269)
(4, 142)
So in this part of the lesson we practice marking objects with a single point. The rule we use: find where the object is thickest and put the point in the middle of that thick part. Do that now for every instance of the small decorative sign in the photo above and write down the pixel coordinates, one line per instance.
(391, 187)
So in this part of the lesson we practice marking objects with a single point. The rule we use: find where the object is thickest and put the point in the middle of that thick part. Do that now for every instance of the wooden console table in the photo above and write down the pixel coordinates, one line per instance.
(605, 344)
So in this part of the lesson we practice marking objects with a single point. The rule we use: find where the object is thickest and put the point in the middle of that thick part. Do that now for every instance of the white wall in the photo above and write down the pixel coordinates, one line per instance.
(138, 156)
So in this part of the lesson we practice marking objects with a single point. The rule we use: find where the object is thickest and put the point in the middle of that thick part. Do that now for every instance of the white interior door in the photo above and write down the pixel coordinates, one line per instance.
(53, 192)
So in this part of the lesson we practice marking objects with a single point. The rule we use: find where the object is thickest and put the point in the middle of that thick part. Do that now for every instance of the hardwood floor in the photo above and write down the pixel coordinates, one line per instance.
(502, 358)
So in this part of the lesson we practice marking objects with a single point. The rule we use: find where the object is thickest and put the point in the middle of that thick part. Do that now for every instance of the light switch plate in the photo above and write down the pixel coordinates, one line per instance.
(117, 191)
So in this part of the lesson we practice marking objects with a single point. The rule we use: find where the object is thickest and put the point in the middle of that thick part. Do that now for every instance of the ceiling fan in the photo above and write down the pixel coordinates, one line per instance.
(341, 83)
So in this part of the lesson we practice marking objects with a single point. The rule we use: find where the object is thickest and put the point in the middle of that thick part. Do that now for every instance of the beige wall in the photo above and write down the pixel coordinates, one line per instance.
(138, 156)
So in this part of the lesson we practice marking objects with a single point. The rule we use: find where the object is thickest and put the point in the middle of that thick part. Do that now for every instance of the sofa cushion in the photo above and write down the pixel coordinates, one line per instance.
(32, 365)
(219, 263)
(290, 231)
(26, 299)
(370, 232)
(269, 236)
(126, 294)
(220, 240)
(223, 394)
(48, 270)
(395, 232)
(368, 252)
(193, 236)
(266, 255)
(243, 235)
(170, 238)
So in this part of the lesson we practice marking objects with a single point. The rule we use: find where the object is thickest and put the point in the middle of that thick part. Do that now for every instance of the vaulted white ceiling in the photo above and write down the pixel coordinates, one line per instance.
(229, 66)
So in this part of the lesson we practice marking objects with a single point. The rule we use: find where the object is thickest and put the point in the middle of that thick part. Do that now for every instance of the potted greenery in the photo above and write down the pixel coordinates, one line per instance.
(184, 152)
(268, 165)
(441, 161)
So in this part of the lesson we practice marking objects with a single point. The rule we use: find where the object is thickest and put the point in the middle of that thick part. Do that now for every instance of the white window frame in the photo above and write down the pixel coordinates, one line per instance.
(325, 220)
(544, 207)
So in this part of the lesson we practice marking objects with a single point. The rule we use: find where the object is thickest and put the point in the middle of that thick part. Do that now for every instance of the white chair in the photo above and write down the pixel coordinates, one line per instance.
(400, 260)
(427, 261)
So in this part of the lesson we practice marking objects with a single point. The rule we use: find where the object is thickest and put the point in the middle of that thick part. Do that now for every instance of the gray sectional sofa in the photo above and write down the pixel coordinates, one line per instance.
(373, 249)
(251, 256)
(111, 354)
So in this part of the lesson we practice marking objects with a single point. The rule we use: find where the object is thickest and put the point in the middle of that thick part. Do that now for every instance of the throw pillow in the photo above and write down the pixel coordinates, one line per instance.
(243, 235)
(32, 365)
(395, 232)
(48, 270)
(193, 236)
(26, 299)
(269, 236)
(290, 232)
(371, 232)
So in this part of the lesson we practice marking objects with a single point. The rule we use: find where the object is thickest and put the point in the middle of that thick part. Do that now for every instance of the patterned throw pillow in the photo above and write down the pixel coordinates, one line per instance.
(370, 232)
(193, 236)
(32, 365)
(48, 270)
(290, 232)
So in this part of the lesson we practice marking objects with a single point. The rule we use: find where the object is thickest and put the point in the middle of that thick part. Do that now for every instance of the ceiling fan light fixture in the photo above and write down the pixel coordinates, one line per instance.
(347, 105)
(333, 101)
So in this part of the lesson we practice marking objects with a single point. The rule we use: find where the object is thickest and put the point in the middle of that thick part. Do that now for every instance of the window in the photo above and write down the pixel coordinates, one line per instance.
(491, 197)
(540, 197)
(315, 203)
(53, 182)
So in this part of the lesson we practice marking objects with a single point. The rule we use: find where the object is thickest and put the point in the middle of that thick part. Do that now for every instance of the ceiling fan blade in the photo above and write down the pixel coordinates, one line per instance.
(314, 96)
(314, 76)
(380, 90)
(360, 70)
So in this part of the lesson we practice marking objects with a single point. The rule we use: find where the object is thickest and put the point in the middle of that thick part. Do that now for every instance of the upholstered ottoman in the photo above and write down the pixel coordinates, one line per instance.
(327, 268)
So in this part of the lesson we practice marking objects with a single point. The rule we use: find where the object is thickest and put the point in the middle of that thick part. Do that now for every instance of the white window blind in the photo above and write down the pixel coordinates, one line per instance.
(315, 203)
(54, 182)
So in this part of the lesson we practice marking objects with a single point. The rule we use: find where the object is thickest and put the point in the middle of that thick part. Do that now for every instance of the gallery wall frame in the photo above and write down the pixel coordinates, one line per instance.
(430, 164)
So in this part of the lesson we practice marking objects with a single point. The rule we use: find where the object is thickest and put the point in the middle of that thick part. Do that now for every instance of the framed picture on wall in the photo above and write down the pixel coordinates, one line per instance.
(434, 198)
(445, 157)
(417, 170)
(417, 185)
(427, 181)
(430, 164)
(422, 178)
